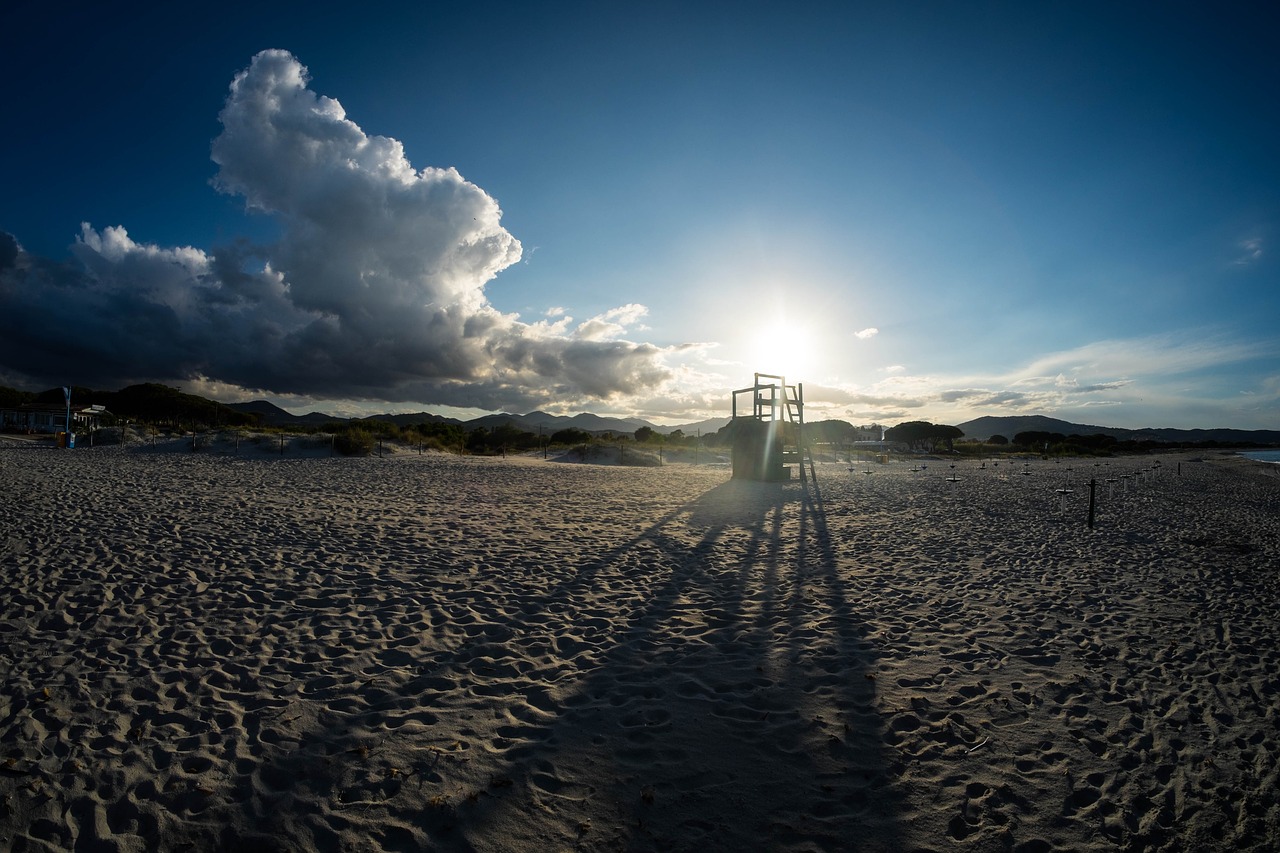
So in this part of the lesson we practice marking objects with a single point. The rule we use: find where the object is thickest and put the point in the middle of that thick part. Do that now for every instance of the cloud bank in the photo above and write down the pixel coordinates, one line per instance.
(1155, 375)
(374, 290)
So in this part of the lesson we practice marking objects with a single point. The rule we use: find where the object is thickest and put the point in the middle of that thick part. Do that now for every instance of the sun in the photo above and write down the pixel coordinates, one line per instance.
(783, 349)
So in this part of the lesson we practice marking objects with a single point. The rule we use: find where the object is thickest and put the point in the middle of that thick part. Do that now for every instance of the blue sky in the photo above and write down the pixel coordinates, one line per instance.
(924, 212)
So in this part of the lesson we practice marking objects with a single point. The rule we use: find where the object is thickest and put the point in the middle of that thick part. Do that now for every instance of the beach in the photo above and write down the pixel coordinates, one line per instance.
(237, 651)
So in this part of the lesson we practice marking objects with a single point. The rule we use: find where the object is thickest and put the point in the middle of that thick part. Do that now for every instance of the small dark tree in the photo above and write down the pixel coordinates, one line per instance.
(644, 434)
(998, 439)
(923, 434)
(354, 441)
(1098, 442)
(911, 432)
(1037, 439)
(478, 440)
(831, 431)
(571, 435)
(949, 434)
(443, 435)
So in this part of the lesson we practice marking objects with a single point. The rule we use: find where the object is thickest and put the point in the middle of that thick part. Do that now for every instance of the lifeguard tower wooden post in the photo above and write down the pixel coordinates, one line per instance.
(768, 435)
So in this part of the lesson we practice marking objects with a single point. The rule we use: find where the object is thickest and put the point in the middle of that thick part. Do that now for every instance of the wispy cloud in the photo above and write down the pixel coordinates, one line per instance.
(867, 333)
(1160, 355)
(1100, 374)
(1250, 252)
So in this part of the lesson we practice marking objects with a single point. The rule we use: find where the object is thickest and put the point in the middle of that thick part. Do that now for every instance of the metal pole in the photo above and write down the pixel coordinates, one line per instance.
(1092, 484)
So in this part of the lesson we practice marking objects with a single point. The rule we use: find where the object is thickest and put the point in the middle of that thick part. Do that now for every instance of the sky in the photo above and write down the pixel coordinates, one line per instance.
(928, 211)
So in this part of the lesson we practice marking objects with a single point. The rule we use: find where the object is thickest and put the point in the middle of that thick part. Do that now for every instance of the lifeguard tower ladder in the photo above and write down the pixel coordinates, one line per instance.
(760, 448)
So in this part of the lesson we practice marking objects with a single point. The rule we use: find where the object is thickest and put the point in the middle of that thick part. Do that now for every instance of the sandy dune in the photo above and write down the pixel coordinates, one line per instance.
(213, 652)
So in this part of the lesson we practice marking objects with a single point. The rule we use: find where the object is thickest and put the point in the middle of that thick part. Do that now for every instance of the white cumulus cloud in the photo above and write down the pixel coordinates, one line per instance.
(374, 289)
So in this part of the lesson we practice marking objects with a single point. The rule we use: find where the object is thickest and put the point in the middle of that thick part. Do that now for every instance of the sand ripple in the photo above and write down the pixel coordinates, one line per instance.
(427, 652)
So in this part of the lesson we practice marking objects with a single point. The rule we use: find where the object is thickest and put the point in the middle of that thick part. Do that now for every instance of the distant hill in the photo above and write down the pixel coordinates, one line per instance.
(531, 422)
(707, 427)
(156, 403)
(1225, 436)
(412, 418)
(983, 428)
(269, 414)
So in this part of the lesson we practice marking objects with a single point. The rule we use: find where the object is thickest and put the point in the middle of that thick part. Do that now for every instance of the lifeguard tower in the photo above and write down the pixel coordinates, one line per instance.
(768, 433)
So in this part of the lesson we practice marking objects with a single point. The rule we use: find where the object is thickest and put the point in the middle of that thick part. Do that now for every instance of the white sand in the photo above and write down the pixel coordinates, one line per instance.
(215, 652)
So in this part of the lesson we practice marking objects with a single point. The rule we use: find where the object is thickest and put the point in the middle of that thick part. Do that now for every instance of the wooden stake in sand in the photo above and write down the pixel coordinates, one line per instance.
(1092, 484)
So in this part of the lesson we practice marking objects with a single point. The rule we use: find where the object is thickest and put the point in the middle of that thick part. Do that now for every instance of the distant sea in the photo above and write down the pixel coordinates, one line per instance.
(1272, 456)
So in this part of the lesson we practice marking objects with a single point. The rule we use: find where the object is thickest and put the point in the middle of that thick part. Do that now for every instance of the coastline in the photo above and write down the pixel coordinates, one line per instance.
(1269, 456)
(464, 653)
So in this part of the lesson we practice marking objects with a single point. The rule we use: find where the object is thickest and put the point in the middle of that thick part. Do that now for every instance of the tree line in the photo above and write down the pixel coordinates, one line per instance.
(165, 407)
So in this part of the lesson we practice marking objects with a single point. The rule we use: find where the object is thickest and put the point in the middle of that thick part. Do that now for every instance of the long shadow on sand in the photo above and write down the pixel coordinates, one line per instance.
(733, 709)
(706, 683)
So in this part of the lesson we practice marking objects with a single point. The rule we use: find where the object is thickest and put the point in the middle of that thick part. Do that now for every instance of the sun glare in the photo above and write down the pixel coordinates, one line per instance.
(784, 349)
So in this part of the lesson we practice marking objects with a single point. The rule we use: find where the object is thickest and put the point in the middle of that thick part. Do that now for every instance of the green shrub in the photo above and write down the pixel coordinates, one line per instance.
(354, 442)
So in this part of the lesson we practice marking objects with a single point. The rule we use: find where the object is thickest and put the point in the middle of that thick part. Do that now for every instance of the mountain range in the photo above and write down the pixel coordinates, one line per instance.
(983, 428)
(270, 414)
(979, 429)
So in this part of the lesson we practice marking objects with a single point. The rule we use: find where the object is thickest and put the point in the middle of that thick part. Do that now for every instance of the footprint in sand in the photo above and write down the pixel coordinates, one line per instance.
(564, 789)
